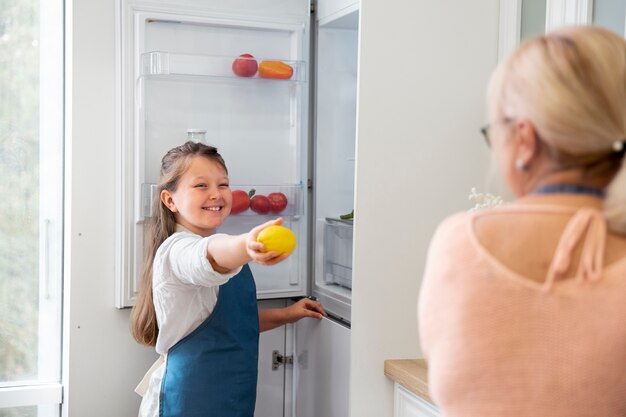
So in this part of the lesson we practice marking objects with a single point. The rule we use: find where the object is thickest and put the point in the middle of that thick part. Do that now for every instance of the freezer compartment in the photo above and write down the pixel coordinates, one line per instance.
(338, 252)
(158, 63)
(271, 200)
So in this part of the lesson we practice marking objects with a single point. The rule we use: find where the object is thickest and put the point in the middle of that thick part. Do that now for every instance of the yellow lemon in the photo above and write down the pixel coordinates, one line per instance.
(277, 238)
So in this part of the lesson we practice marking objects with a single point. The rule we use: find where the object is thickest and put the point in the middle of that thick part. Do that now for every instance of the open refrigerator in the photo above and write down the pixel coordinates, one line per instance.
(292, 135)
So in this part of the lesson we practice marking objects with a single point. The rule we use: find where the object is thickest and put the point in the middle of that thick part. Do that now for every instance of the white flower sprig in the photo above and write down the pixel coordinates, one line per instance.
(484, 201)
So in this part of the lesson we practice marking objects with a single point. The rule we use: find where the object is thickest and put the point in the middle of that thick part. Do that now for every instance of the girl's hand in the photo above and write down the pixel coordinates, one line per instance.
(272, 318)
(254, 248)
(305, 307)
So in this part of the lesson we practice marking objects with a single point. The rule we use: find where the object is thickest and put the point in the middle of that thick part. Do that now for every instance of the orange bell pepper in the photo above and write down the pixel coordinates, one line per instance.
(275, 69)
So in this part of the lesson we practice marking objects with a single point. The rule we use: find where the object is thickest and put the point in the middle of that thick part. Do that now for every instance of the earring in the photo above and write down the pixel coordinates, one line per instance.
(521, 166)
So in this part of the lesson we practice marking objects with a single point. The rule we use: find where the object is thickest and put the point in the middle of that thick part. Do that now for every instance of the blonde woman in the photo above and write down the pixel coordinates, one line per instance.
(522, 310)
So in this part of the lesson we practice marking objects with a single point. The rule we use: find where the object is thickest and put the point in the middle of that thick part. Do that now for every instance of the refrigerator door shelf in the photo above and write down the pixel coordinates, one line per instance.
(338, 252)
(286, 279)
(158, 63)
(333, 266)
(292, 194)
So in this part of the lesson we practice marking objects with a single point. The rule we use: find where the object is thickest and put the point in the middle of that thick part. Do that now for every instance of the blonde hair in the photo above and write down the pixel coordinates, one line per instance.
(571, 84)
(160, 226)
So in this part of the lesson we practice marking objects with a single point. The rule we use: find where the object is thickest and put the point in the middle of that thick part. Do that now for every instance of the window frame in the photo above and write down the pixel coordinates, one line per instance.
(47, 389)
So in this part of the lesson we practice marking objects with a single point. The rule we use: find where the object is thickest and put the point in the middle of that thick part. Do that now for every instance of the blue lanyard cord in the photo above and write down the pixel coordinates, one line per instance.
(570, 189)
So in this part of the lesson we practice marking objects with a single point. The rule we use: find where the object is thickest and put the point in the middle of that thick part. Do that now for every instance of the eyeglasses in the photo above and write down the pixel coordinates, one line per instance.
(485, 129)
(485, 132)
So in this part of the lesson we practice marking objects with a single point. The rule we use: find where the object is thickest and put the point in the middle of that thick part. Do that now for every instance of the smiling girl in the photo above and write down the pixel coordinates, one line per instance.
(197, 302)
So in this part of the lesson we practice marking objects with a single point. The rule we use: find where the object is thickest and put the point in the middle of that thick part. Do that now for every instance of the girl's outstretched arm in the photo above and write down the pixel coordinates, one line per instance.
(227, 252)
(274, 317)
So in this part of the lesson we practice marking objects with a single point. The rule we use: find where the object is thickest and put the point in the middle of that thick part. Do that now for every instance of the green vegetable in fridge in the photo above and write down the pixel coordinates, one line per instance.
(347, 216)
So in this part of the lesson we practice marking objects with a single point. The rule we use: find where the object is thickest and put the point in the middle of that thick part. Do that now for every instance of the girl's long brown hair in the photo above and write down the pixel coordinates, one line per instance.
(160, 226)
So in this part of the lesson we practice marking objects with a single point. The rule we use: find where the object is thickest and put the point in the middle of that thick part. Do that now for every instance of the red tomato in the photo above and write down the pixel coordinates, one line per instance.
(260, 204)
(241, 202)
(278, 202)
(245, 66)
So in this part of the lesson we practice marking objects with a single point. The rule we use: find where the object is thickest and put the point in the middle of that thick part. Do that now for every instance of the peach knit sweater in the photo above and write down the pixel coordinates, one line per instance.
(500, 344)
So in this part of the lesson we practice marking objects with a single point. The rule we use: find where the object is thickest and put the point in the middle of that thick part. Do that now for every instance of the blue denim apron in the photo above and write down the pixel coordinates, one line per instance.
(212, 372)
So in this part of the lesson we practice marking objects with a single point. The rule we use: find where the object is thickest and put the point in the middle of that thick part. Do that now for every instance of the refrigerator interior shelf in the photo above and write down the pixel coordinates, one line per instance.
(279, 200)
(158, 63)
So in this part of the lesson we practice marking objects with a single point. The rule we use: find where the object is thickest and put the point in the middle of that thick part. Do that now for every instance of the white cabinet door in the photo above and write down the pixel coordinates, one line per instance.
(271, 382)
(407, 404)
(321, 368)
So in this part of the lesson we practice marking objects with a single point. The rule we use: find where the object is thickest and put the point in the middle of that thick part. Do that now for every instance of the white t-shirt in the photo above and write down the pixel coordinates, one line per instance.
(184, 289)
(184, 286)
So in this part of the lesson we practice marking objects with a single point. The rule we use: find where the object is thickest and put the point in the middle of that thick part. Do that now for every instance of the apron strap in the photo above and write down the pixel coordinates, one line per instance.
(142, 387)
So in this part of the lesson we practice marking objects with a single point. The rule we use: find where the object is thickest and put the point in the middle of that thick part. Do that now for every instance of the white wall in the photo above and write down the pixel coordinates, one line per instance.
(103, 363)
(424, 66)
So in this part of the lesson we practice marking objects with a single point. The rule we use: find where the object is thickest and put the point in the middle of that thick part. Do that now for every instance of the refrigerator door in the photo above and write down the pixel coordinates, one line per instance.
(335, 142)
(189, 81)
(321, 368)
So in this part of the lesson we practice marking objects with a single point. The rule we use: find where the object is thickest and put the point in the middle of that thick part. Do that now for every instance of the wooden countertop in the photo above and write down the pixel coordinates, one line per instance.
(412, 374)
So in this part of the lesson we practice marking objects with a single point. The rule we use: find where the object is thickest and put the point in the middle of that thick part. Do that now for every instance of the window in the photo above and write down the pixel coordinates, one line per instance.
(533, 21)
(31, 212)
(609, 14)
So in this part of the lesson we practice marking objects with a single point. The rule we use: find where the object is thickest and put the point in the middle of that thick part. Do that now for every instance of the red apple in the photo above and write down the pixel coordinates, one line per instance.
(241, 202)
(260, 204)
(245, 66)
(278, 202)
